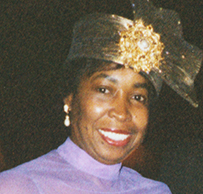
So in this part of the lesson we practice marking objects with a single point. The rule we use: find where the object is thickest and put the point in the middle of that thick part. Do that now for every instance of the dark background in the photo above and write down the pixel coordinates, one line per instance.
(35, 40)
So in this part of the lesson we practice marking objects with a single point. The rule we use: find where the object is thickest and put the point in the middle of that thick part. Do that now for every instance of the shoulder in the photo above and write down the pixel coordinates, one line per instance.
(141, 184)
(25, 177)
(16, 183)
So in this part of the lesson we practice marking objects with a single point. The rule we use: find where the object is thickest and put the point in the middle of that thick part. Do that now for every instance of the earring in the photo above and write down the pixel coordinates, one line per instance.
(67, 118)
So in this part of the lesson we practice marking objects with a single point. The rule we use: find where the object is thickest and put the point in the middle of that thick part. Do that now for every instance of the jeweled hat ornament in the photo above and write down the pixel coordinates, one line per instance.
(151, 43)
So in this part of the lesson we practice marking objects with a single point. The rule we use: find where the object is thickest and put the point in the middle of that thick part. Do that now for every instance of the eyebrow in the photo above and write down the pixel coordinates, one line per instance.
(103, 75)
(141, 85)
(136, 85)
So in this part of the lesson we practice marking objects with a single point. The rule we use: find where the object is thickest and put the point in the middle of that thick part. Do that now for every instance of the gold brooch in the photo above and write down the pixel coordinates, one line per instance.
(140, 47)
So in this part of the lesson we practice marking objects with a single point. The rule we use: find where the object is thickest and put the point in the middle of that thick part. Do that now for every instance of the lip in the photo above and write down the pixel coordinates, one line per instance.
(115, 137)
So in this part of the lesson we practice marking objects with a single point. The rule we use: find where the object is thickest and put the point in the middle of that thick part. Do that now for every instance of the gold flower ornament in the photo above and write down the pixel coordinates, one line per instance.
(140, 47)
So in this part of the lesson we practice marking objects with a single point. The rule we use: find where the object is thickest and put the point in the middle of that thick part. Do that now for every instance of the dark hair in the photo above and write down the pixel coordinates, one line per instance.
(75, 70)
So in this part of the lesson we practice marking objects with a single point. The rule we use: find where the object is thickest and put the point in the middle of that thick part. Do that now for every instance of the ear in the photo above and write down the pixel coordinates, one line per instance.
(68, 101)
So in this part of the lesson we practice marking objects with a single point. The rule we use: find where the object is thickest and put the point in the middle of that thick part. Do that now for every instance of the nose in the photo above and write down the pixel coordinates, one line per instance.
(120, 109)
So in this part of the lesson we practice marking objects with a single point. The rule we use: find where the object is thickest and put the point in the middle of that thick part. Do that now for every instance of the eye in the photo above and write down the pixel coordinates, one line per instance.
(103, 90)
(139, 98)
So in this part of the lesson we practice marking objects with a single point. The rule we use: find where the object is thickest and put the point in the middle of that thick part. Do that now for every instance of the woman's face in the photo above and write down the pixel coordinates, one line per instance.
(109, 114)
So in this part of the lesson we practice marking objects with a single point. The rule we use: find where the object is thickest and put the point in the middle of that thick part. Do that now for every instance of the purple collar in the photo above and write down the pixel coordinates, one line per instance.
(78, 158)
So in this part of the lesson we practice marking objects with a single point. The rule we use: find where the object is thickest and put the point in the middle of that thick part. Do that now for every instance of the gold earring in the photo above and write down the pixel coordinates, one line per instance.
(67, 118)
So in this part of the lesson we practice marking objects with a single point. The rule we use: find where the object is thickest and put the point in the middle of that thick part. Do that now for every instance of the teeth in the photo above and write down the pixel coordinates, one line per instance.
(114, 136)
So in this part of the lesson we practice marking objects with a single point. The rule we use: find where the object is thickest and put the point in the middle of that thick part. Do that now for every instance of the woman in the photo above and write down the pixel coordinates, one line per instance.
(114, 73)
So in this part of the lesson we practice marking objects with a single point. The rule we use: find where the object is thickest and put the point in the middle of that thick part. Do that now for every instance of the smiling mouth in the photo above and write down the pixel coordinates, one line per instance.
(115, 138)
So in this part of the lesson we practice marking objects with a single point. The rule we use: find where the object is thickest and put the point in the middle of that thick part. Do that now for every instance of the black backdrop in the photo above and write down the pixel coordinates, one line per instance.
(35, 39)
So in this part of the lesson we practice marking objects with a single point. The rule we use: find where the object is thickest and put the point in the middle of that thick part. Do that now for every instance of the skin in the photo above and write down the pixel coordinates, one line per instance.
(109, 100)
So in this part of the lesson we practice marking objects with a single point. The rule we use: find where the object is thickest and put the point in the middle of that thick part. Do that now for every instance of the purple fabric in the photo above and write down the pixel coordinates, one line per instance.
(70, 170)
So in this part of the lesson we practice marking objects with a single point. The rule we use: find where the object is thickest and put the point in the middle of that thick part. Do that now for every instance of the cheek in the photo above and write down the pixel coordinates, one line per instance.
(99, 110)
(93, 110)
(141, 119)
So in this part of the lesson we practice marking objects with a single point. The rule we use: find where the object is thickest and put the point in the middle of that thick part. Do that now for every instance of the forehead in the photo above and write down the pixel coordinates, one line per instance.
(119, 76)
